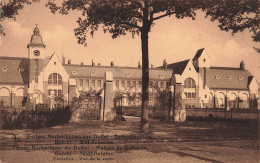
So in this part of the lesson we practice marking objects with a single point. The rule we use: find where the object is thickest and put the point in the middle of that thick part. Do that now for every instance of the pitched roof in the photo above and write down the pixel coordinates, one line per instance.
(12, 75)
(227, 78)
(198, 54)
(85, 71)
(178, 67)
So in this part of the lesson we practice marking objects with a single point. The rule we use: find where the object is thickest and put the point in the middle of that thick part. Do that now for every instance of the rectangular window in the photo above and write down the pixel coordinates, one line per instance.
(117, 84)
(55, 92)
(128, 84)
(49, 92)
(81, 82)
(123, 84)
(36, 78)
(59, 93)
(161, 85)
(140, 84)
(99, 83)
(193, 95)
(167, 84)
(189, 95)
(156, 83)
(134, 84)
(86, 104)
(87, 84)
(93, 84)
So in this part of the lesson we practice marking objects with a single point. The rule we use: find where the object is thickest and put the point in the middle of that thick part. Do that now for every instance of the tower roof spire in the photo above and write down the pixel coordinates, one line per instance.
(36, 39)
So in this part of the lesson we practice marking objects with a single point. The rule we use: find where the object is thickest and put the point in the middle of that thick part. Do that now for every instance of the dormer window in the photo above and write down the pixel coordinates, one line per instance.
(55, 63)
(204, 60)
(128, 75)
(74, 72)
(21, 69)
(4, 69)
(217, 77)
(92, 73)
(161, 76)
(240, 77)
(229, 77)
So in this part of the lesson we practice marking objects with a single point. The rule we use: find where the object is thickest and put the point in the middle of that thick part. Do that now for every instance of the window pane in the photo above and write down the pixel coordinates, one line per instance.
(162, 85)
(50, 79)
(80, 82)
(93, 84)
(87, 84)
(128, 84)
(55, 92)
(36, 78)
(49, 92)
(55, 79)
(189, 95)
(123, 84)
(59, 93)
(192, 95)
(99, 83)
(117, 84)
(59, 79)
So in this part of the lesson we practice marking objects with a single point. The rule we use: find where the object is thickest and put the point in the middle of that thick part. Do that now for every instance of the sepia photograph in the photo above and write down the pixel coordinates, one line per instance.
(149, 81)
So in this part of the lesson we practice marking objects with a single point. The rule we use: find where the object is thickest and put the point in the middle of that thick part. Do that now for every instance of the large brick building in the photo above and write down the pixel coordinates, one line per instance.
(37, 79)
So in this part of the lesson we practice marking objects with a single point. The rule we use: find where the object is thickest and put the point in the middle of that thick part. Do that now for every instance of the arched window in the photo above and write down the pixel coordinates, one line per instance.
(55, 79)
(189, 83)
(190, 92)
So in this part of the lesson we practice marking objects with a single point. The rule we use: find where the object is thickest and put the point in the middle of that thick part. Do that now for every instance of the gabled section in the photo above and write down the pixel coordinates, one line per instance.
(252, 84)
(189, 69)
(201, 59)
(55, 66)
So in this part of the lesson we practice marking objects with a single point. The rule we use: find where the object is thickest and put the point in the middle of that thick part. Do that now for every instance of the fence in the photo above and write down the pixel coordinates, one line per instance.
(154, 112)
(223, 113)
(87, 108)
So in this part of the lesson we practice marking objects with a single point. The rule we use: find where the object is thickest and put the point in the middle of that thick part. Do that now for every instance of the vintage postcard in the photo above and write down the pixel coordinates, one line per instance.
(129, 81)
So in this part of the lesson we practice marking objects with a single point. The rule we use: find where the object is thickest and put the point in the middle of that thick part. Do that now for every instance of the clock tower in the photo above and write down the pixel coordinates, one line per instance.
(36, 46)
(36, 56)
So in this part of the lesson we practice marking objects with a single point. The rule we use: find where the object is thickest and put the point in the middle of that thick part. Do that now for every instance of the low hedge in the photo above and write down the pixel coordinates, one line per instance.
(33, 119)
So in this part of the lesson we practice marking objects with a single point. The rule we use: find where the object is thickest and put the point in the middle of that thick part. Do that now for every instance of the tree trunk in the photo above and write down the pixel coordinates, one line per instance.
(145, 83)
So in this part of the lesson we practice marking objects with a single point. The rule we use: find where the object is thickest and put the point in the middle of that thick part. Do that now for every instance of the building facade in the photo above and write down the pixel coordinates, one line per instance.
(39, 79)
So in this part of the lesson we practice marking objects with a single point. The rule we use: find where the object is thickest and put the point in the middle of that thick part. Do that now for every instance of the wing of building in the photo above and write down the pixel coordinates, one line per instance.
(38, 79)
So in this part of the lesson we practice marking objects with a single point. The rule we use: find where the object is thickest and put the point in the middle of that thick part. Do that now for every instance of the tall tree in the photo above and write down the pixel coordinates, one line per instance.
(137, 17)
(10, 8)
(236, 16)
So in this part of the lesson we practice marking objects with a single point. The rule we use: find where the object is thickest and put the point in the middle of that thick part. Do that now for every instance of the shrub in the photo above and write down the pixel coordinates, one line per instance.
(33, 119)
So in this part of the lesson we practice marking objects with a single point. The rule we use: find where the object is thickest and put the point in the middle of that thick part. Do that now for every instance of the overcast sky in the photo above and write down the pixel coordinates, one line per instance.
(170, 38)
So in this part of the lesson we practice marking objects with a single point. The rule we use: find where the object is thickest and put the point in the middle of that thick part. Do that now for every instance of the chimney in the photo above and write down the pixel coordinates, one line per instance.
(242, 65)
(112, 63)
(164, 64)
(69, 62)
(93, 64)
(139, 65)
(63, 60)
(151, 65)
